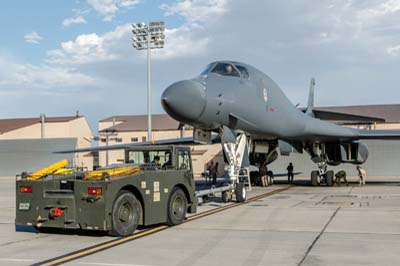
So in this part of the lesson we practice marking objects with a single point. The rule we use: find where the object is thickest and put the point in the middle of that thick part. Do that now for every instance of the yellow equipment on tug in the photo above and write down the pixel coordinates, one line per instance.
(47, 170)
(112, 172)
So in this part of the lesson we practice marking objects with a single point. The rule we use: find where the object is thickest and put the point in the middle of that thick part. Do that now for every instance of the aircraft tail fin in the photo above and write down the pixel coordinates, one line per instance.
(310, 105)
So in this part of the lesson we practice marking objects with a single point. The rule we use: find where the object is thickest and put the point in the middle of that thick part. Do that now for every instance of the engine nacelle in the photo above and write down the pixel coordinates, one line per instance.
(349, 152)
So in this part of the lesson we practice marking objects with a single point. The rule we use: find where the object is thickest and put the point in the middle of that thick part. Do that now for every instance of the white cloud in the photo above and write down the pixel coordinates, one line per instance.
(182, 42)
(196, 10)
(380, 9)
(128, 3)
(116, 45)
(393, 50)
(108, 8)
(91, 48)
(38, 79)
(74, 20)
(33, 37)
(185, 41)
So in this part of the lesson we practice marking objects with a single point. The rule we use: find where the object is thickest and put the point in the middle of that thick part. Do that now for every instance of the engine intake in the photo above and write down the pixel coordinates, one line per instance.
(349, 152)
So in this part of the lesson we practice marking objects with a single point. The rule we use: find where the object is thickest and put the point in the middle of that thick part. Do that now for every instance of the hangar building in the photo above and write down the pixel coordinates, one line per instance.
(389, 112)
(27, 144)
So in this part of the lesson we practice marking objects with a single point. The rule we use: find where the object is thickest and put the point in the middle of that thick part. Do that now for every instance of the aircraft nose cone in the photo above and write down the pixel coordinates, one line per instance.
(184, 100)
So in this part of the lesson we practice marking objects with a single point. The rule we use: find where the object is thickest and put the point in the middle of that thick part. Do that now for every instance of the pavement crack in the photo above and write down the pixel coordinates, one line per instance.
(318, 237)
(351, 189)
(22, 240)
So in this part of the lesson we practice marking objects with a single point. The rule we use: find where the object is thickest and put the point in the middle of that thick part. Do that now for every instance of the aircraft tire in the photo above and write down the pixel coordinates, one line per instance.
(314, 178)
(177, 207)
(264, 181)
(240, 192)
(205, 198)
(226, 196)
(270, 176)
(329, 178)
(125, 214)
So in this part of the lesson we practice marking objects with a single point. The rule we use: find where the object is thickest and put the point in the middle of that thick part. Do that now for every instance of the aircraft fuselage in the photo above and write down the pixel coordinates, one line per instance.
(244, 99)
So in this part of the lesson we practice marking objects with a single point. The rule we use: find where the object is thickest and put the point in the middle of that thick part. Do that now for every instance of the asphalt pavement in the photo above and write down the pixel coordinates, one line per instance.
(304, 225)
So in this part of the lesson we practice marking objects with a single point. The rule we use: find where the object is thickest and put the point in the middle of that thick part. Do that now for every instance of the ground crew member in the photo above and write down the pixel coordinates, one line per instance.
(156, 161)
(262, 171)
(339, 176)
(362, 174)
(168, 163)
(210, 169)
(216, 174)
(290, 173)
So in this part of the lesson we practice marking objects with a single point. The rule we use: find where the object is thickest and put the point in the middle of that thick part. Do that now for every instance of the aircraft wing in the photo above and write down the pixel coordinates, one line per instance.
(177, 141)
(337, 116)
(379, 134)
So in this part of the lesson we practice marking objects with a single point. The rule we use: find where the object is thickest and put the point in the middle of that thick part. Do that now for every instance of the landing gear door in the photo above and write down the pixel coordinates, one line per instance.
(201, 136)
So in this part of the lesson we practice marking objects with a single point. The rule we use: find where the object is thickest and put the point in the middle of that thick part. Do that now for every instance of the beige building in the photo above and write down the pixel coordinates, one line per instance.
(390, 113)
(51, 128)
(133, 129)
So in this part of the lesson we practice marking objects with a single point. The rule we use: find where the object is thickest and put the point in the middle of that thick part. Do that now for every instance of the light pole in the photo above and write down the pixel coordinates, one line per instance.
(148, 37)
(107, 134)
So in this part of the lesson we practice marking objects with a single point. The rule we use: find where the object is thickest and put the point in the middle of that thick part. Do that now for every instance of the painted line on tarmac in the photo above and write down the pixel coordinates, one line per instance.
(110, 264)
(115, 242)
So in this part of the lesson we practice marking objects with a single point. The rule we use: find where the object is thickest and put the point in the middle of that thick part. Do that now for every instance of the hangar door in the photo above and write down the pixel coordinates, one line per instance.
(29, 155)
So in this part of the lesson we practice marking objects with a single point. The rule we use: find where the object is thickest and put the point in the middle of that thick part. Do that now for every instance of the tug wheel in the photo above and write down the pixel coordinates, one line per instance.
(125, 214)
(177, 207)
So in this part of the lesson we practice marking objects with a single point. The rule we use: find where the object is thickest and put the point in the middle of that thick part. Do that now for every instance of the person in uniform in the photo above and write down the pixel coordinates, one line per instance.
(290, 175)
(263, 174)
(339, 176)
(156, 161)
(210, 170)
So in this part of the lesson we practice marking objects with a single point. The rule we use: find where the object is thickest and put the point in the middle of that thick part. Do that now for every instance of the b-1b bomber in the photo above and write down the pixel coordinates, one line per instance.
(234, 99)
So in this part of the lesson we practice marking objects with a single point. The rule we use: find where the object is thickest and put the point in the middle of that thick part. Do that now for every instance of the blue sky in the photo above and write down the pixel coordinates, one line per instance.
(19, 17)
(57, 57)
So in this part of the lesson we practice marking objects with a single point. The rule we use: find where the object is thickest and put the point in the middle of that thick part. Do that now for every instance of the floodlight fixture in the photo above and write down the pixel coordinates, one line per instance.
(148, 37)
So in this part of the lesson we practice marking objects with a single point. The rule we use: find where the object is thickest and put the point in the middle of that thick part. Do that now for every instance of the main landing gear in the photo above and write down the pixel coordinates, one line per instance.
(322, 175)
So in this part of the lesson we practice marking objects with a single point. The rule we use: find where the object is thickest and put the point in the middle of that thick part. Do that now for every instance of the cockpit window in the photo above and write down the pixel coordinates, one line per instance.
(225, 70)
(208, 68)
(243, 72)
